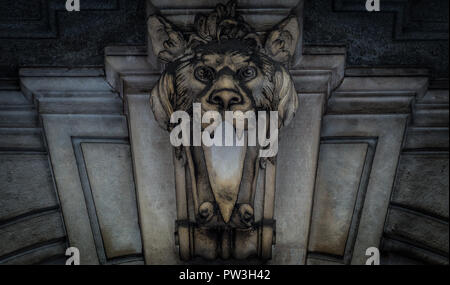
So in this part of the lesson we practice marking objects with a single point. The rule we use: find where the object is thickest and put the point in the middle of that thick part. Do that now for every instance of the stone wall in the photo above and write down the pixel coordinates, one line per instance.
(41, 33)
(31, 225)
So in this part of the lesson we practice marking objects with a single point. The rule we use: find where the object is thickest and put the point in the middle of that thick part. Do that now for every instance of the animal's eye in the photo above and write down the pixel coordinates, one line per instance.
(204, 74)
(247, 73)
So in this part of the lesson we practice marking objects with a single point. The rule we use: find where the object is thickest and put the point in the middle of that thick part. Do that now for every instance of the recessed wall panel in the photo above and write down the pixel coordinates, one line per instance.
(338, 178)
(109, 170)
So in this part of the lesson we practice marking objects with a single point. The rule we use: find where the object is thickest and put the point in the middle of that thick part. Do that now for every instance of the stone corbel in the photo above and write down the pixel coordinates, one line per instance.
(130, 71)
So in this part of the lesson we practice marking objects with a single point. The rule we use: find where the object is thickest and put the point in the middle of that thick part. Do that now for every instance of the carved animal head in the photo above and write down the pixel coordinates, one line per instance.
(225, 66)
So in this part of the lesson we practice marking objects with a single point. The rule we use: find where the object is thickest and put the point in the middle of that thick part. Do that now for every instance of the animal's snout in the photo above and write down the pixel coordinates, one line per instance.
(225, 98)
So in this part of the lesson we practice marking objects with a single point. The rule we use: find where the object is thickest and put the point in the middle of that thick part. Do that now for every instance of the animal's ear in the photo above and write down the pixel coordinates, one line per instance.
(161, 98)
(281, 42)
(287, 97)
(167, 42)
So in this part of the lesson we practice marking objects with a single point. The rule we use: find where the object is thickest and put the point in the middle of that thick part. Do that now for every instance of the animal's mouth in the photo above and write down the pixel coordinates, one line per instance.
(241, 119)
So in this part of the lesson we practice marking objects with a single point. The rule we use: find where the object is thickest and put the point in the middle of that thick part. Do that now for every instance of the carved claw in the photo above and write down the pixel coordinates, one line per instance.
(262, 163)
(246, 214)
(180, 154)
(205, 212)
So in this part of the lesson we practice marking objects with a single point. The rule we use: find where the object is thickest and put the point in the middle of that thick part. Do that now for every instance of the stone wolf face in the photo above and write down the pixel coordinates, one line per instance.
(225, 78)
(224, 67)
(224, 75)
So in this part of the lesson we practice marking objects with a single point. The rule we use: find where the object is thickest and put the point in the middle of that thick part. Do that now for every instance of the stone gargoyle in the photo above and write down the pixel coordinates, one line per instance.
(223, 65)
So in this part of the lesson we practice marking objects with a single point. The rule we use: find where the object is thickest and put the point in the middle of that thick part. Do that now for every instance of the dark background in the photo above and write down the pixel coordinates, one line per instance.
(43, 33)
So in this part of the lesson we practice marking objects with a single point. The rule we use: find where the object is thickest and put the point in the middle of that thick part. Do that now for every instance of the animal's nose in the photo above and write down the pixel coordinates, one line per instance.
(225, 98)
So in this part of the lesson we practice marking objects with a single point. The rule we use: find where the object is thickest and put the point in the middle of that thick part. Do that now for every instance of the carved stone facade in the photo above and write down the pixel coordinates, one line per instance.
(363, 163)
